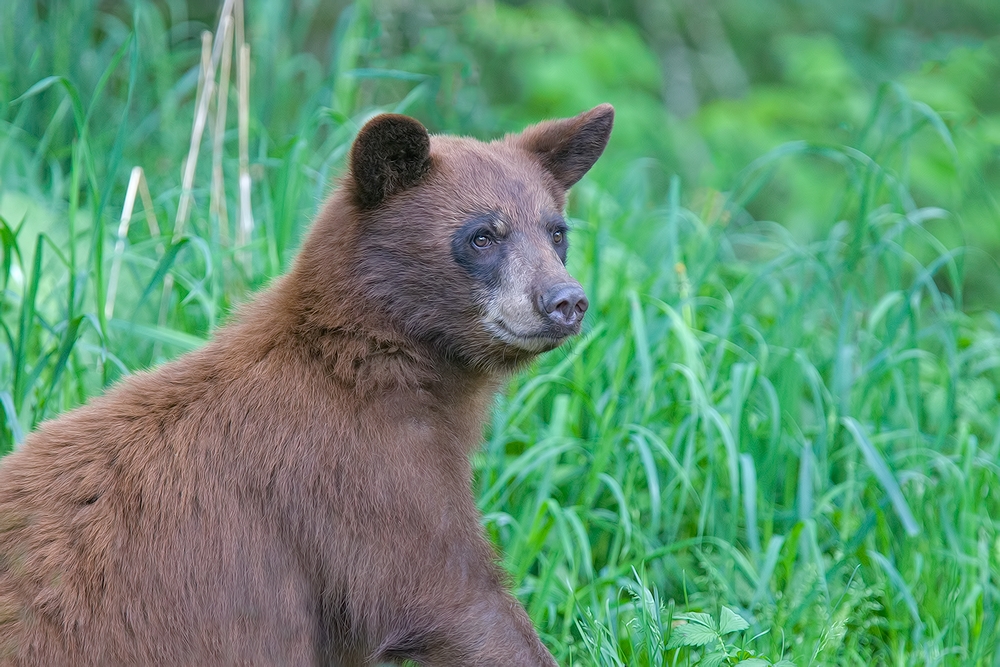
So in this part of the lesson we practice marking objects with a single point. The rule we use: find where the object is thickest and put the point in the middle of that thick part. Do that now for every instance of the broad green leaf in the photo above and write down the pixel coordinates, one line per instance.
(692, 634)
(730, 621)
(700, 618)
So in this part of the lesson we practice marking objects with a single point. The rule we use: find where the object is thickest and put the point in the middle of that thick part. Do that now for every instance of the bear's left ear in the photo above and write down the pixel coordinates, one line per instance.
(568, 148)
(390, 154)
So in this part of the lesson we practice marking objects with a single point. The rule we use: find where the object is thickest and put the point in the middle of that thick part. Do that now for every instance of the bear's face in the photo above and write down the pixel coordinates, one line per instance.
(463, 244)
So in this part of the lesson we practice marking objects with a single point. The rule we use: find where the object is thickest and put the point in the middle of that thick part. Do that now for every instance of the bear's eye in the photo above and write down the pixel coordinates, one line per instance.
(482, 240)
(558, 236)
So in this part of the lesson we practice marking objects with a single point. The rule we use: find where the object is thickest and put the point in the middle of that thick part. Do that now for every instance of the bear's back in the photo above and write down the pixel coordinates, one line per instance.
(112, 501)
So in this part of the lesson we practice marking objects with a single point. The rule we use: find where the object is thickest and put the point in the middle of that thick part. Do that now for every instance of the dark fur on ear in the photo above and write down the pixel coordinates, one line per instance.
(568, 148)
(390, 154)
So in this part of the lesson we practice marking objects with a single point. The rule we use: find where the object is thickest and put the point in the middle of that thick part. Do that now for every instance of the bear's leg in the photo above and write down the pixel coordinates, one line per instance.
(481, 626)
(497, 632)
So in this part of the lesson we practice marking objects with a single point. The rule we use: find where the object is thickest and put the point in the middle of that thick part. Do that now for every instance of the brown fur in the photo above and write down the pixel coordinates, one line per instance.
(298, 491)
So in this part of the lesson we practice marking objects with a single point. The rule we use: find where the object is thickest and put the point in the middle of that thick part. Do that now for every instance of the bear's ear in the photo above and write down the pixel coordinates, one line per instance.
(568, 148)
(390, 154)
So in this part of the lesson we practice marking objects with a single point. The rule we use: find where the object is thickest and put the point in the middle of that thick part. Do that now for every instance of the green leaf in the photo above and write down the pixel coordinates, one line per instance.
(730, 621)
(692, 634)
(163, 268)
(699, 618)
(74, 96)
(66, 345)
(180, 339)
(753, 662)
(879, 466)
(378, 73)
(10, 413)
(27, 320)
(712, 659)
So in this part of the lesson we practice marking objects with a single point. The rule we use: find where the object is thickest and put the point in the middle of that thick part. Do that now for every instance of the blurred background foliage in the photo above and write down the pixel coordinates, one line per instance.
(701, 87)
(787, 400)
(706, 87)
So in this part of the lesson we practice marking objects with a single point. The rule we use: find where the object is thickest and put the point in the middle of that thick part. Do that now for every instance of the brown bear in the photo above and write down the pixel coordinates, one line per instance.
(298, 491)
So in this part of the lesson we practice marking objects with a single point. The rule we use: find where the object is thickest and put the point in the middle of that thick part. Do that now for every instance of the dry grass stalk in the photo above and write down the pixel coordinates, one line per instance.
(206, 86)
(245, 229)
(238, 24)
(216, 56)
(227, 12)
(136, 186)
(217, 202)
(206, 83)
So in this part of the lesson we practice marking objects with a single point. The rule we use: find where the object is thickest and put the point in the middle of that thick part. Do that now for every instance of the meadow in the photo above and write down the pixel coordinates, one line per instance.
(764, 449)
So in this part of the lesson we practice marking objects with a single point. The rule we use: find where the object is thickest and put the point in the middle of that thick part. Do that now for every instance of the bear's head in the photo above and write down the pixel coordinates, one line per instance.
(461, 244)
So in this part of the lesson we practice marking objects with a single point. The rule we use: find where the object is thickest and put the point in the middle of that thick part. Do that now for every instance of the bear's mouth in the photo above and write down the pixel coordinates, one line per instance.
(535, 341)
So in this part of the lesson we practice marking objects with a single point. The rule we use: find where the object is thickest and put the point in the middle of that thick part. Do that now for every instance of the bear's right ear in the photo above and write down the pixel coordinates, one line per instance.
(569, 147)
(390, 154)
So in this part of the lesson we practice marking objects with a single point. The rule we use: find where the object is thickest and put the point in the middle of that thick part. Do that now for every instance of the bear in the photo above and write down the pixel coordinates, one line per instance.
(299, 490)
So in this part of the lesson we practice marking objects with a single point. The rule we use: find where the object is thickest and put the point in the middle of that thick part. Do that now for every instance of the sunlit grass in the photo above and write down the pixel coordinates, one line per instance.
(804, 433)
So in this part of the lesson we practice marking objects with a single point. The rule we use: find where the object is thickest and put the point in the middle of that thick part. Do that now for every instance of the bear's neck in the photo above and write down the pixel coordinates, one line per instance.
(370, 364)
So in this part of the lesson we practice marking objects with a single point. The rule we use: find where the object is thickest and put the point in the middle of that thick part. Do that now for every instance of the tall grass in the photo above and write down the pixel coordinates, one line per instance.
(806, 434)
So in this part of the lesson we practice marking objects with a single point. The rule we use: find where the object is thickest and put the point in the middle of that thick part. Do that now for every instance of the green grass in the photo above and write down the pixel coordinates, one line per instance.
(806, 434)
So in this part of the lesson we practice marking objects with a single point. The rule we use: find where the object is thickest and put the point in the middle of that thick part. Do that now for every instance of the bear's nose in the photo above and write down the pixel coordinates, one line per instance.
(565, 304)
